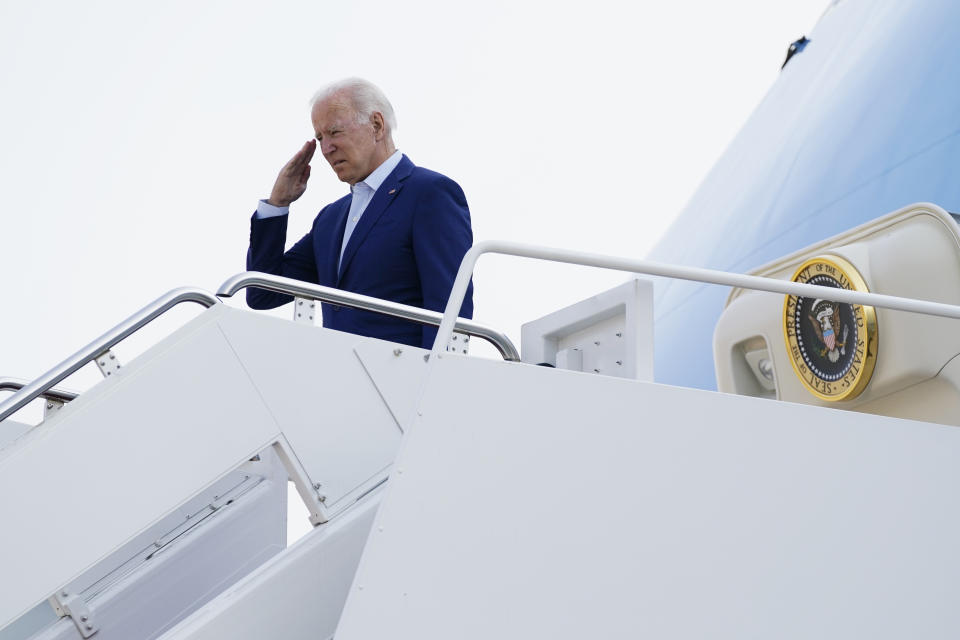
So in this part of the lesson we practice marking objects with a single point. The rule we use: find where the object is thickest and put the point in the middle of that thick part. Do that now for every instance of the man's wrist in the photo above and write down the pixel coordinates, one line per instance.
(265, 209)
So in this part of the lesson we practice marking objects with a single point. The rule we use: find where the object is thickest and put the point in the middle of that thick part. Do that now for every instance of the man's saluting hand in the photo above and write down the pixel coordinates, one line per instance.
(292, 181)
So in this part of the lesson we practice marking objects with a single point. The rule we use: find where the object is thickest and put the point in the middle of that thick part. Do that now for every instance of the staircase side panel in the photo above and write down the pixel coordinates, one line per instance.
(568, 506)
(122, 455)
(324, 400)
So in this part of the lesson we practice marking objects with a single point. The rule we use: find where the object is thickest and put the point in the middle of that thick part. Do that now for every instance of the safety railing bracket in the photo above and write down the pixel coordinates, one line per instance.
(71, 605)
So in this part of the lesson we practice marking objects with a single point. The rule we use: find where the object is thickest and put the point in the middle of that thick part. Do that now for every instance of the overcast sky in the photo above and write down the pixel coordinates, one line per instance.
(137, 137)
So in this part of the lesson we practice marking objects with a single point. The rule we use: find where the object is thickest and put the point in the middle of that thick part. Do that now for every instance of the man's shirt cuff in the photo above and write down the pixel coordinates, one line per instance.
(267, 210)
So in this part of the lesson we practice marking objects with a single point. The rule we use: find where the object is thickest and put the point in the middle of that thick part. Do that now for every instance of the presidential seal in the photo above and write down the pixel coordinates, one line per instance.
(832, 346)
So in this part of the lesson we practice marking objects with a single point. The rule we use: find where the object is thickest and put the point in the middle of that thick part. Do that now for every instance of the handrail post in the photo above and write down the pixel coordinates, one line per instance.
(457, 295)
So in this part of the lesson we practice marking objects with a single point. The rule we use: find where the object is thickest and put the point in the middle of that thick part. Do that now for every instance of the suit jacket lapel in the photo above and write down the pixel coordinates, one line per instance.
(333, 244)
(378, 205)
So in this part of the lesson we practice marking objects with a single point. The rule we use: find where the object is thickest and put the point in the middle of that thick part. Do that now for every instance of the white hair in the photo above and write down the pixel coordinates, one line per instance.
(365, 97)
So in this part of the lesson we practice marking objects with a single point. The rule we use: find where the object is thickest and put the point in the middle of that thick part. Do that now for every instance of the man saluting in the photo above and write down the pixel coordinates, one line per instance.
(399, 235)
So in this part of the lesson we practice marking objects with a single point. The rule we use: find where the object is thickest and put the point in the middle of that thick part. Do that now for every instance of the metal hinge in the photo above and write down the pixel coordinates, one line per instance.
(73, 606)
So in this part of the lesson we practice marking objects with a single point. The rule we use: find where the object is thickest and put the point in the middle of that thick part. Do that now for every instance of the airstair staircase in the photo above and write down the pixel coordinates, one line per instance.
(138, 501)
(522, 501)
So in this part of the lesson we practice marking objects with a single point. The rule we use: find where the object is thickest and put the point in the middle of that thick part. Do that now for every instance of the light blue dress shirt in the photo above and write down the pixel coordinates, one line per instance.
(362, 193)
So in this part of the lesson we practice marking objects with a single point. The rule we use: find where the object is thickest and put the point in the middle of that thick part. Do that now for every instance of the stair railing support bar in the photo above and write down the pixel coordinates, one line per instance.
(343, 298)
(15, 384)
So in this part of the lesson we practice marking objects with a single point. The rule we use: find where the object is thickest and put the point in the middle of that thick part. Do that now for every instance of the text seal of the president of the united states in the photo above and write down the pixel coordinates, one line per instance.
(832, 345)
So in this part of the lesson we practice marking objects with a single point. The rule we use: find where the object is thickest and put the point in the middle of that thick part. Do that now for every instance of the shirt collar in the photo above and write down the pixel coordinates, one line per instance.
(376, 178)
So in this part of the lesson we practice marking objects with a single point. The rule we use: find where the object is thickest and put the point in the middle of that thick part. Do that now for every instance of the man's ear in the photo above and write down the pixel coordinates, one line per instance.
(376, 119)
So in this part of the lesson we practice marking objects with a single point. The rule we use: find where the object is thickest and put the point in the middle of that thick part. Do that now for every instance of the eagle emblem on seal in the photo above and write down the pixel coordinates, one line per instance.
(827, 326)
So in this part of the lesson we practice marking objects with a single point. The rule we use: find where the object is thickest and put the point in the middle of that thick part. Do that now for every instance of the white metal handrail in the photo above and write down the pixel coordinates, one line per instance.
(144, 316)
(695, 274)
(343, 298)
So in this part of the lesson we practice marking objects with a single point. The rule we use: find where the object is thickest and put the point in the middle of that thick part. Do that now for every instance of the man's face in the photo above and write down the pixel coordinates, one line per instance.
(349, 147)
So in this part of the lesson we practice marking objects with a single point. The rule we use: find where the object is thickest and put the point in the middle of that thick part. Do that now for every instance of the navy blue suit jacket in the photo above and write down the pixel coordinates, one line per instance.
(406, 247)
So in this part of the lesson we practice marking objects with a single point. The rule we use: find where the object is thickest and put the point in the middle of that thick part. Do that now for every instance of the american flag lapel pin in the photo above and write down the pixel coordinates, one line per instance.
(391, 192)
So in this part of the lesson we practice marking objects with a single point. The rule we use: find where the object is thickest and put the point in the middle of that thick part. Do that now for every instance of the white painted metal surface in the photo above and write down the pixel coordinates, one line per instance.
(313, 384)
(81, 491)
(610, 333)
(398, 373)
(40, 617)
(581, 506)
(10, 430)
(192, 566)
(118, 459)
(298, 595)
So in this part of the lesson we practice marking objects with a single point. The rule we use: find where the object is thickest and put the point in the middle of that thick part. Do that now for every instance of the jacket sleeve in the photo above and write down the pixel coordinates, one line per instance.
(441, 236)
(266, 254)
